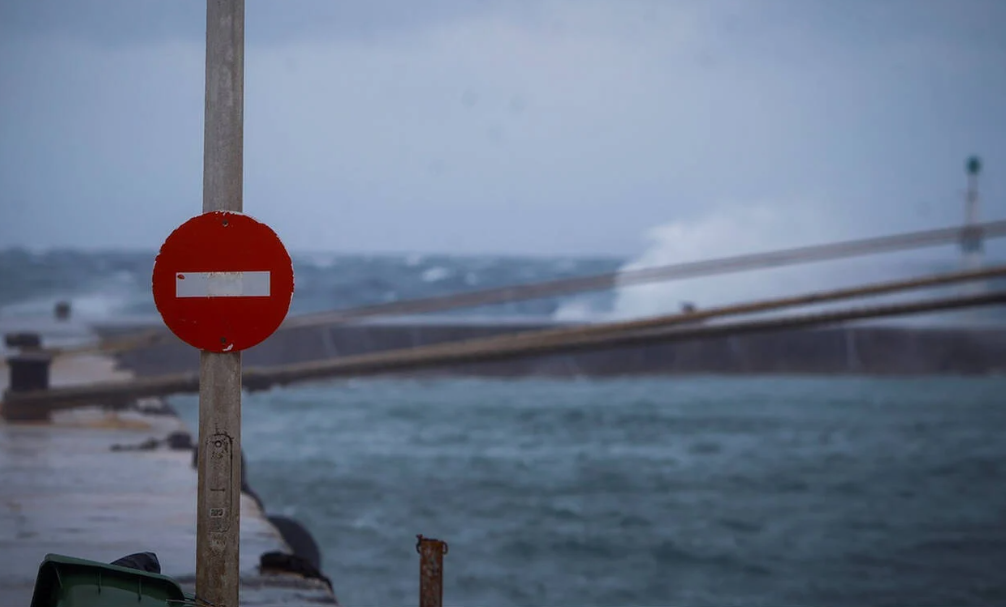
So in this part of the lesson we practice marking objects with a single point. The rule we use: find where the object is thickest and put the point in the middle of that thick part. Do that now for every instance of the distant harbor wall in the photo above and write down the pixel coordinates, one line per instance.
(851, 350)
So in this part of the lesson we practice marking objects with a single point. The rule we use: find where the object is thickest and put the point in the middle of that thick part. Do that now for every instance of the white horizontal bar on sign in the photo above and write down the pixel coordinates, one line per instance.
(222, 284)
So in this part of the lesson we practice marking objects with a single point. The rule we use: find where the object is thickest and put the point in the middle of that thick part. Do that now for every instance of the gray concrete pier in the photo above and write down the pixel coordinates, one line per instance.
(66, 489)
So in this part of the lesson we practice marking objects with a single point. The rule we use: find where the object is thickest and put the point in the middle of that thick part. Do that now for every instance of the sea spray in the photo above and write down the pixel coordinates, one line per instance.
(741, 230)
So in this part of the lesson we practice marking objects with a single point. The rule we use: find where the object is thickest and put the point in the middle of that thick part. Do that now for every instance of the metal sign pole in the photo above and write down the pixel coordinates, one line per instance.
(219, 500)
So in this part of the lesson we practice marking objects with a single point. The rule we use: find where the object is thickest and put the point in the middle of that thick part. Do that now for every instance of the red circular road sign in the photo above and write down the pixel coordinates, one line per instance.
(223, 282)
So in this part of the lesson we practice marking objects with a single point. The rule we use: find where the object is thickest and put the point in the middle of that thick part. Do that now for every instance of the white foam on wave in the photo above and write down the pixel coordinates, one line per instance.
(98, 305)
(578, 310)
(436, 273)
(750, 229)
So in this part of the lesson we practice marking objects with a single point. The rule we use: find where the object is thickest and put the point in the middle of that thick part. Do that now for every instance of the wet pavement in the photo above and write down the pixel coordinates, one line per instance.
(64, 490)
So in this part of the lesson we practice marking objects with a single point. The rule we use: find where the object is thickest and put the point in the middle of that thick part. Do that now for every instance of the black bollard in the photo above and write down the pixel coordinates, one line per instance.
(23, 341)
(29, 371)
(298, 538)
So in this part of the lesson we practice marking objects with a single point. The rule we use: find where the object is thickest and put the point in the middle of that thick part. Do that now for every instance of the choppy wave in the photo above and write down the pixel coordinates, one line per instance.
(757, 229)
(699, 491)
(103, 285)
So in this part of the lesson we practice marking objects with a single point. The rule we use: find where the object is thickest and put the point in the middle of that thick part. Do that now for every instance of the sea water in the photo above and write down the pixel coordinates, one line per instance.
(701, 491)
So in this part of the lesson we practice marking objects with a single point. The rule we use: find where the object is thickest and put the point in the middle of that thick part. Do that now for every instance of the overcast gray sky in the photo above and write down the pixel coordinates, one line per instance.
(555, 127)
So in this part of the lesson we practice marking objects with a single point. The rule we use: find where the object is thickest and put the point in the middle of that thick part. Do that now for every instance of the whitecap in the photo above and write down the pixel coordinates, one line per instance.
(436, 273)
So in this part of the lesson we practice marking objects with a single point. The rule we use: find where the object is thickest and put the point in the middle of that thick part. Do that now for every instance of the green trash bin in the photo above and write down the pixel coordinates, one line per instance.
(65, 581)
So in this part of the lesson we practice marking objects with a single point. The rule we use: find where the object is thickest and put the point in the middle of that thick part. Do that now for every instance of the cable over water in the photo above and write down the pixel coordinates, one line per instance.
(723, 265)
(611, 335)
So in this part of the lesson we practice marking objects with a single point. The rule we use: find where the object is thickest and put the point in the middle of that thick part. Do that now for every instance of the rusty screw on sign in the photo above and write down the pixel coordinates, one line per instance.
(431, 571)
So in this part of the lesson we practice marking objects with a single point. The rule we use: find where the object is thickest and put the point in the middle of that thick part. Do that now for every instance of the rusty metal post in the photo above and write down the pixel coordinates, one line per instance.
(218, 518)
(431, 571)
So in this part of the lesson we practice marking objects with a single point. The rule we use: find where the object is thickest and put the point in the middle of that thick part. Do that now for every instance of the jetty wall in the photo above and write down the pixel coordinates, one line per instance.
(843, 350)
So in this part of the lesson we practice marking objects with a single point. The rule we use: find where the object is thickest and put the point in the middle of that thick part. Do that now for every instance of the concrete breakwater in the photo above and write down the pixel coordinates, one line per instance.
(843, 350)
(101, 484)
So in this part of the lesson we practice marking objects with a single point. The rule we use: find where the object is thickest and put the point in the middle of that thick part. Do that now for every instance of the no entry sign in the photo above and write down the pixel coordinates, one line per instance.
(223, 282)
